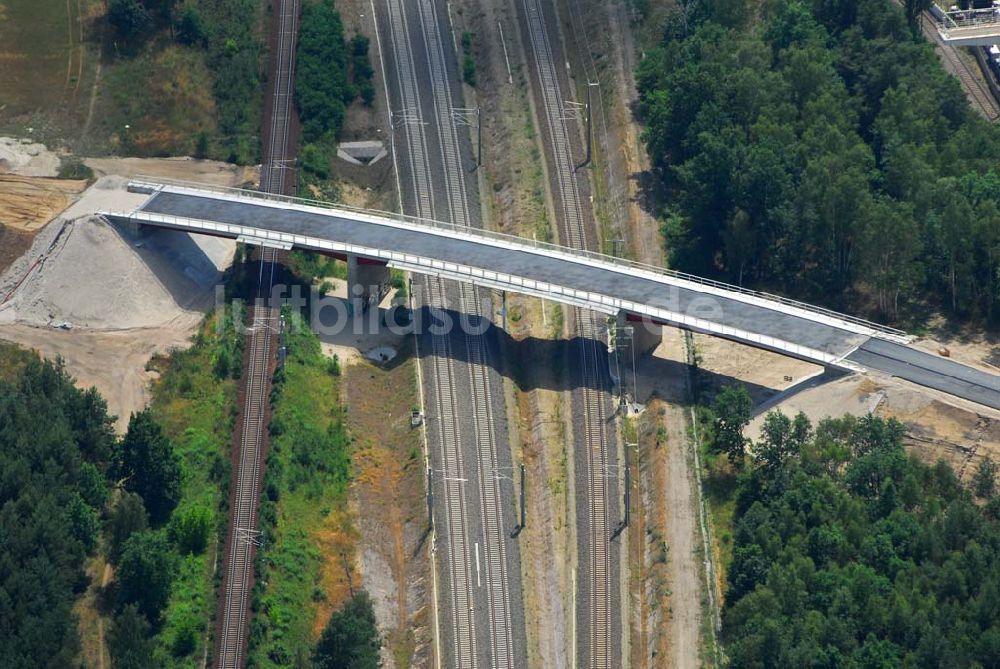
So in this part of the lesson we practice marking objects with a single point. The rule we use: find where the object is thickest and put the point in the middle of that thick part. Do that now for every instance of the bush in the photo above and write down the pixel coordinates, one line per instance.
(362, 69)
(190, 28)
(129, 19)
(350, 638)
(468, 61)
(72, 167)
(191, 530)
(201, 145)
(185, 638)
(128, 640)
(315, 161)
(127, 517)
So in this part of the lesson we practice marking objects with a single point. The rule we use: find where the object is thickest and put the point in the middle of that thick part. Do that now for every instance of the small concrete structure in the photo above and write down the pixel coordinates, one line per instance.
(367, 284)
(362, 153)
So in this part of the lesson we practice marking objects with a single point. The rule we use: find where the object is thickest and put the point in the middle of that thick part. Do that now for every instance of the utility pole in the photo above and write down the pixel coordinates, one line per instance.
(463, 116)
(590, 123)
(521, 524)
(523, 514)
(430, 501)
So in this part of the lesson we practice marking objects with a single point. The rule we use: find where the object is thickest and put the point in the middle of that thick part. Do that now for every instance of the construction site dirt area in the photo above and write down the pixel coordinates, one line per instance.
(28, 203)
(211, 172)
(104, 298)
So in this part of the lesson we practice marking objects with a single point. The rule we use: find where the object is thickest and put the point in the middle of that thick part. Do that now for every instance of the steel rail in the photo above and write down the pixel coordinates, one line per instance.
(274, 179)
(601, 648)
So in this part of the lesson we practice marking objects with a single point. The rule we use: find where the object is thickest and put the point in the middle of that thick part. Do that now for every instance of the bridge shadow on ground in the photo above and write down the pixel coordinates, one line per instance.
(542, 364)
(181, 266)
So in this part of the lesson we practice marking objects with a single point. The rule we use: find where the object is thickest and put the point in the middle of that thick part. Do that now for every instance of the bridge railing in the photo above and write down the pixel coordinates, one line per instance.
(156, 183)
(497, 280)
(970, 18)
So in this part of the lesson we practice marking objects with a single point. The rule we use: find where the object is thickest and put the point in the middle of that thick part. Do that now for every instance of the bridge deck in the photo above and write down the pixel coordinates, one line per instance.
(560, 276)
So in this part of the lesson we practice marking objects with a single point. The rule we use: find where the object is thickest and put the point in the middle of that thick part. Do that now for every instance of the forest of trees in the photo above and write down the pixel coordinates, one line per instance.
(69, 488)
(849, 553)
(818, 149)
(330, 73)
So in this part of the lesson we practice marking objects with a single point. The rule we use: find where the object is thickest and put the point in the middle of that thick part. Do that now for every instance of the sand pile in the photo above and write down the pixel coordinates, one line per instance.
(27, 159)
(88, 273)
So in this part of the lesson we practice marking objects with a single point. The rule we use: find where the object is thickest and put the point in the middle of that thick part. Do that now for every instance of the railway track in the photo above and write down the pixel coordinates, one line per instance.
(277, 176)
(978, 93)
(467, 451)
(595, 444)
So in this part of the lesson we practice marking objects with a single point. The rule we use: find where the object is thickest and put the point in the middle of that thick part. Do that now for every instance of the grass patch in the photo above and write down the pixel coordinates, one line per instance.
(304, 509)
(468, 60)
(13, 358)
(43, 64)
(69, 77)
(72, 167)
(719, 486)
(197, 409)
(157, 102)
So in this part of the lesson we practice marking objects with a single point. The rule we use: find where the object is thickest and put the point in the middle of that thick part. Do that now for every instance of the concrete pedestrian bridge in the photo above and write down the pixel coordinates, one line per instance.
(968, 27)
(372, 241)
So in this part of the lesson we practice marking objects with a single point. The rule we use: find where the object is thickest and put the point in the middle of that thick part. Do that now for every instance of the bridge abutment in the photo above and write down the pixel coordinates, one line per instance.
(367, 284)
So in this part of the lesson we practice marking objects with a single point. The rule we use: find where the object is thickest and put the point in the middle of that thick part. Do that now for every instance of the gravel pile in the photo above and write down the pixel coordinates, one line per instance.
(27, 159)
(88, 273)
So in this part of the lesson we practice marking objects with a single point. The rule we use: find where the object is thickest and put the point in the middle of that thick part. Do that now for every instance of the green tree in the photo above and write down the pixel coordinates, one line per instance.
(191, 27)
(781, 440)
(129, 642)
(984, 482)
(84, 523)
(350, 639)
(127, 517)
(149, 466)
(733, 409)
(201, 145)
(145, 572)
(322, 85)
(914, 8)
(130, 19)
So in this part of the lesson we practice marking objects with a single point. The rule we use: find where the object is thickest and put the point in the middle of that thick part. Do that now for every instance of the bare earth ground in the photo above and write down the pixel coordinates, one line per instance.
(113, 362)
(28, 203)
(667, 588)
(389, 493)
(683, 547)
(210, 172)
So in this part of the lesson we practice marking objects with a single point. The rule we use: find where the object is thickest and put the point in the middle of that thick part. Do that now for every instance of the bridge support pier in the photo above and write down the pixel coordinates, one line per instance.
(367, 284)
(645, 334)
